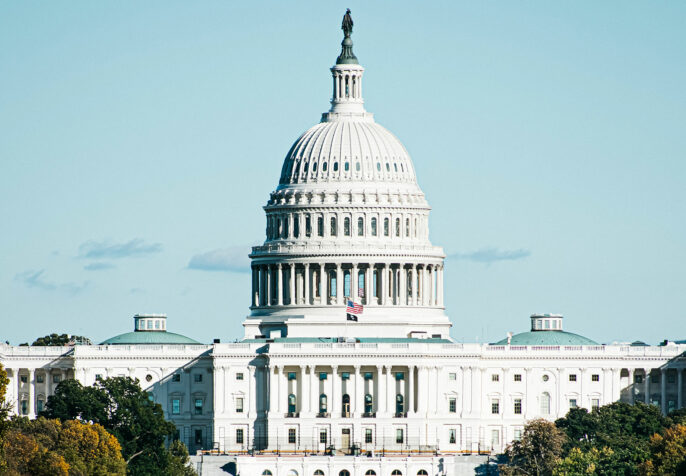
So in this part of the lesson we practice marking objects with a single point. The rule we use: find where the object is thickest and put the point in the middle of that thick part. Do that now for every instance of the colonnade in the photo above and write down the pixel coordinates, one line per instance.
(29, 388)
(372, 284)
(347, 84)
(647, 379)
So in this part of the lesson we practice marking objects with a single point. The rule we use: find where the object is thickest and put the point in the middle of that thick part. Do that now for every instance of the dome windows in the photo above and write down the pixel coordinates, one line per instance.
(378, 166)
(397, 227)
(407, 227)
(386, 227)
(335, 166)
(320, 226)
(360, 226)
(324, 166)
(314, 167)
(395, 166)
(347, 166)
(357, 166)
(334, 228)
(308, 225)
(373, 226)
(388, 167)
(346, 226)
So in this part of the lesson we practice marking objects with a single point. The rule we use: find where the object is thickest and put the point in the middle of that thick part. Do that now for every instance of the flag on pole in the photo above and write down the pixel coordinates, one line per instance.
(351, 317)
(354, 308)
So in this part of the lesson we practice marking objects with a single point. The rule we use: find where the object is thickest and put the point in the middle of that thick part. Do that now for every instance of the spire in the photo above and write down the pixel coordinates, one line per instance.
(347, 56)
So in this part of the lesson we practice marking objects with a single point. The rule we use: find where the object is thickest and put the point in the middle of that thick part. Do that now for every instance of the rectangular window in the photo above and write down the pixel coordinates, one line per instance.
(239, 404)
(452, 436)
(638, 378)
(345, 375)
(373, 226)
(572, 403)
(23, 378)
(322, 375)
(24, 407)
(239, 436)
(39, 406)
(334, 228)
(495, 378)
(197, 378)
(595, 403)
(572, 377)
(39, 378)
(452, 376)
(518, 406)
(239, 376)
(495, 406)
(198, 437)
(98, 376)
(346, 226)
(399, 436)
(495, 438)
(322, 436)
(368, 435)
(595, 378)
(320, 226)
(517, 377)
(198, 406)
(368, 376)
(296, 226)
(517, 434)
(176, 406)
(291, 375)
(400, 375)
(176, 378)
(291, 435)
(308, 225)
(452, 405)
(55, 378)
(385, 227)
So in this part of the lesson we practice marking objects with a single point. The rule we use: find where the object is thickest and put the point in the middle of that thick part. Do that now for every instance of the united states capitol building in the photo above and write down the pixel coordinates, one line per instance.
(307, 391)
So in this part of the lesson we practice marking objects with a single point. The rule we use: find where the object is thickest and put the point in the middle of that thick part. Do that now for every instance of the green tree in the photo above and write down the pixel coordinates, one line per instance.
(125, 410)
(668, 453)
(5, 407)
(60, 340)
(537, 453)
(579, 463)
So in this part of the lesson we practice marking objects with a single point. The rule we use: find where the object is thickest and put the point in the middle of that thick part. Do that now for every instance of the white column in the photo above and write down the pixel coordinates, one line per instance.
(383, 274)
(632, 387)
(390, 390)
(268, 286)
(218, 396)
(291, 286)
(279, 282)
(368, 282)
(679, 391)
(323, 291)
(441, 289)
(339, 284)
(616, 385)
(403, 285)
(646, 385)
(252, 389)
(307, 388)
(359, 391)
(663, 390)
(306, 284)
(335, 407)
(32, 392)
(379, 402)
(273, 390)
(411, 393)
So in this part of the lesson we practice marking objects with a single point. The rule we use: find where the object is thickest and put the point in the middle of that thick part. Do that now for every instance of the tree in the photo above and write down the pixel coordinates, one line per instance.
(537, 453)
(579, 463)
(60, 340)
(5, 407)
(668, 453)
(125, 410)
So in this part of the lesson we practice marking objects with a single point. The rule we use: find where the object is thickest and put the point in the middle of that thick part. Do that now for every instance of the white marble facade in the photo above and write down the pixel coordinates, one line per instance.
(349, 221)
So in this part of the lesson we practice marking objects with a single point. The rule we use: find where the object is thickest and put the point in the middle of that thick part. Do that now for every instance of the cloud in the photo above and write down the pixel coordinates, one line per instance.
(234, 259)
(37, 280)
(103, 249)
(98, 266)
(491, 255)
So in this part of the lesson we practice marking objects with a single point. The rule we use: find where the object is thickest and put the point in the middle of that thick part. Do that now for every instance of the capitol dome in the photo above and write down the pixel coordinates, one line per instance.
(347, 227)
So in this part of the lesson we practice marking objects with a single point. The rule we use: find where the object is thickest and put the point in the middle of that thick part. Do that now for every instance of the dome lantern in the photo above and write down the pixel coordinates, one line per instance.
(347, 76)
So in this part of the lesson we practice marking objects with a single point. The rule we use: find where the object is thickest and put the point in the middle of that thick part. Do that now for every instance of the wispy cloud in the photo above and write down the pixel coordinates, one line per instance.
(491, 255)
(37, 280)
(108, 250)
(98, 266)
(234, 259)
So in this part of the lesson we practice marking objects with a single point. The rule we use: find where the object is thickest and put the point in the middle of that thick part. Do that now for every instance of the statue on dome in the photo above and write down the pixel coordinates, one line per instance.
(347, 25)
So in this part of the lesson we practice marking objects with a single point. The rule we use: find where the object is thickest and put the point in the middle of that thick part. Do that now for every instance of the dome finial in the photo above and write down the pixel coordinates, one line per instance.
(347, 56)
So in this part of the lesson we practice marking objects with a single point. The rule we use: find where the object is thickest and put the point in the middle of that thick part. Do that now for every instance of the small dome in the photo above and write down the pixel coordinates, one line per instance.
(347, 151)
(150, 329)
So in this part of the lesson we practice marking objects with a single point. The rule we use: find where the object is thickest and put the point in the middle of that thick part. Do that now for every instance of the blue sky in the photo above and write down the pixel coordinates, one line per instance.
(140, 140)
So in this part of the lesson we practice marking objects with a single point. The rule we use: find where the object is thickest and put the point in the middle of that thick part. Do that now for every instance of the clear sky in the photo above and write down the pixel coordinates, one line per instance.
(139, 141)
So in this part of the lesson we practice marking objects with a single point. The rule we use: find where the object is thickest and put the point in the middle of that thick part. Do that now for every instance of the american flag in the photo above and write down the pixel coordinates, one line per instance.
(354, 308)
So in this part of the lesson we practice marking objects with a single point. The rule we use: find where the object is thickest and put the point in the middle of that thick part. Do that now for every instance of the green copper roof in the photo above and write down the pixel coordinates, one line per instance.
(153, 337)
(547, 338)
(347, 56)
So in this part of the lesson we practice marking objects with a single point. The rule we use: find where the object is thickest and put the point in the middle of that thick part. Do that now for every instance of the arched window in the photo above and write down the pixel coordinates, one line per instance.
(422, 472)
(296, 226)
(368, 403)
(545, 403)
(347, 166)
(318, 472)
(324, 166)
(314, 167)
(399, 404)
(320, 226)
(335, 166)
(345, 407)
(395, 166)
(415, 228)
(305, 168)
(291, 403)
(357, 166)
(370, 472)
(344, 472)
(308, 225)
(407, 227)
(388, 167)
(292, 472)
(386, 227)
(346, 226)
(402, 169)
(397, 227)
(378, 166)
(397, 472)
(373, 226)
(360, 226)
(334, 229)
(266, 472)
(323, 407)
(333, 285)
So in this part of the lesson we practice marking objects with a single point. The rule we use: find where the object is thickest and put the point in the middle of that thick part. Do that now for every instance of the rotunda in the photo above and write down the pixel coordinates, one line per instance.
(347, 223)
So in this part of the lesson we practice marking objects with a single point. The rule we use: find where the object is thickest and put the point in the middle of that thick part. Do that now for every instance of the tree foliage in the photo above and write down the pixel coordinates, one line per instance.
(537, 453)
(125, 410)
(60, 340)
(667, 453)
